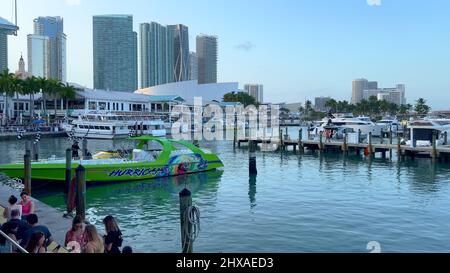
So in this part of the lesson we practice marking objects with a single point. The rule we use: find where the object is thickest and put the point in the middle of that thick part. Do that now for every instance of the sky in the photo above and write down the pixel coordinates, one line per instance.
(298, 49)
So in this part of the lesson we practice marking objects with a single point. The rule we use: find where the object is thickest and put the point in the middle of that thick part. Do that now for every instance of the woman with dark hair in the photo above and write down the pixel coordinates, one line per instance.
(27, 205)
(113, 238)
(76, 233)
(36, 243)
(12, 205)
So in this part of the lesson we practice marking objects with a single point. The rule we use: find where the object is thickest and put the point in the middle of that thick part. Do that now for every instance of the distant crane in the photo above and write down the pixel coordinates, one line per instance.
(15, 9)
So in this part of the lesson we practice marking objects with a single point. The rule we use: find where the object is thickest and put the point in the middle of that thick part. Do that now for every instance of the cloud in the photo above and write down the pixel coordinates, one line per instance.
(73, 2)
(247, 46)
(374, 2)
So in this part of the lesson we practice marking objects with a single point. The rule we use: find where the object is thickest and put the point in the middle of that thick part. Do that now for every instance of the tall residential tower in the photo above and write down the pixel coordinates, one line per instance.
(6, 28)
(115, 53)
(180, 35)
(207, 59)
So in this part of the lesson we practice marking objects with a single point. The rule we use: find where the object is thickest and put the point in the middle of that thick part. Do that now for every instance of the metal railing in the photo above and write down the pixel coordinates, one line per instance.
(13, 243)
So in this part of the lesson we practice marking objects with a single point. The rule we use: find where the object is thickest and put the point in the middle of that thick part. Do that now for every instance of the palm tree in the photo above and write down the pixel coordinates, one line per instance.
(54, 91)
(43, 86)
(68, 92)
(9, 85)
(31, 87)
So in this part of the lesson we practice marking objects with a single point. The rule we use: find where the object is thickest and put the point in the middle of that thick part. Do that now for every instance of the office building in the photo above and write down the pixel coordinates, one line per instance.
(115, 53)
(393, 95)
(321, 104)
(53, 29)
(256, 91)
(358, 87)
(39, 60)
(6, 28)
(207, 59)
(193, 66)
(180, 36)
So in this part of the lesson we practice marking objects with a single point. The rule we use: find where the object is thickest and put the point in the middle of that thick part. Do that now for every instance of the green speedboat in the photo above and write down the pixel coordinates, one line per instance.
(172, 159)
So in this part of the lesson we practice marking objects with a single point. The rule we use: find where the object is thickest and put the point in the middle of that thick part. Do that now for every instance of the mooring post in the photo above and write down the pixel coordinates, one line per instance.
(252, 158)
(281, 140)
(286, 137)
(36, 151)
(27, 173)
(85, 148)
(399, 147)
(320, 141)
(445, 138)
(390, 141)
(370, 144)
(300, 140)
(359, 135)
(344, 145)
(434, 152)
(186, 226)
(235, 134)
(68, 170)
(28, 147)
(382, 136)
(81, 192)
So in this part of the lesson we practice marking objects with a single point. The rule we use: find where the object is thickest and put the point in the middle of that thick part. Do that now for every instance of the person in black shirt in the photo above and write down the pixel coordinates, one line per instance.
(32, 220)
(15, 228)
(113, 237)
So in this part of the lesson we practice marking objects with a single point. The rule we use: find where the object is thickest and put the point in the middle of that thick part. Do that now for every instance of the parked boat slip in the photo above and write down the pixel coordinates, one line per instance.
(172, 159)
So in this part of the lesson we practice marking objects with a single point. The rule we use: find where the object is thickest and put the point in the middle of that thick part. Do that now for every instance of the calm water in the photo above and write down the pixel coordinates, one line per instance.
(297, 203)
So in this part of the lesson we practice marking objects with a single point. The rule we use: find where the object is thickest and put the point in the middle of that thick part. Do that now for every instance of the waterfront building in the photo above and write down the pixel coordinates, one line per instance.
(393, 95)
(207, 58)
(154, 59)
(179, 34)
(193, 66)
(358, 87)
(321, 104)
(39, 61)
(6, 28)
(256, 91)
(115, 53)
(53, 29)
(188, 90)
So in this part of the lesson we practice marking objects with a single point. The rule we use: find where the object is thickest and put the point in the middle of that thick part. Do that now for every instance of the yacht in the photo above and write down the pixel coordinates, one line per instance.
(422, 132)
(115, 125)
(358, 124)
(390, 123)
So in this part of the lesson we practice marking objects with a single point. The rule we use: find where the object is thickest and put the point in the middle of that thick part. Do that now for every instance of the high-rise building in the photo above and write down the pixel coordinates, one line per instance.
(321, 104)
(207, 59)
(358, 88)
(372, 85)
(153, 46)
(256, 91)
(115, 53)
(53, 28)
(180, 36)
(193, 66)
(6, 28)
(393, 95)
(39, 61)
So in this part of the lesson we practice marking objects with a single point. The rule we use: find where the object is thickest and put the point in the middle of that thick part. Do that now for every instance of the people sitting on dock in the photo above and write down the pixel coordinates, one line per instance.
(12, 205)
(32, 220)
(75, 148)
(113, 237)
(76, 233)
(27, 205)
(15, 228)
(94, 241)
(36, 244)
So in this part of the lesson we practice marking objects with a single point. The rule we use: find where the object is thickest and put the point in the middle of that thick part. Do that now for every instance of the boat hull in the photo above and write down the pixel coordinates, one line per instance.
(178, 165)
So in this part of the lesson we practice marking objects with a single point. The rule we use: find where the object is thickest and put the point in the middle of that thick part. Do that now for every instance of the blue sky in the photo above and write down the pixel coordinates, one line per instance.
(298, 49)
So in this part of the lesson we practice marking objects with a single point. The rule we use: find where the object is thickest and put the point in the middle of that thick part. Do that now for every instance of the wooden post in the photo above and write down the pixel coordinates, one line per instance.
(185, 203)
(28, 147)
(287, 134)
(382, 136)
(320, 141)
(68, 170)
(81, 192)
(300, 140)
(252, 158)
(281, 140)
(36, 151)
(445, 138)
(434, 152)
(390, 141)
(359, 135)
(85, 148)
(344, 146)
(370, 144)
(399, 147)
(235, 134)
(27, 173)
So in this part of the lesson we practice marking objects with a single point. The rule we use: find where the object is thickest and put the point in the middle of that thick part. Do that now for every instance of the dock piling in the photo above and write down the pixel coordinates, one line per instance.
(28, 147)
(300, 141)
(68, 170)
(344, 145)
(434, 151)
(81, 192)
(252, 158)
(27, 173)
(36, 151)
(445, 138)
(390, 141)
(185, 203)
(85, 148)
(399, 147)
(370, 144)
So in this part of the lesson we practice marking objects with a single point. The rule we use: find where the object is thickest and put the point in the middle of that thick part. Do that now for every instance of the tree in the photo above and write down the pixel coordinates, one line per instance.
(332, 104)
(31, 87)
(9, 85)
(421, 107)
(68, 92)
(241, 97)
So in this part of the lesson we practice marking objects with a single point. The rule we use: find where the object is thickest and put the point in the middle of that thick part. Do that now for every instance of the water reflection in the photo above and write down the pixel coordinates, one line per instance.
(252, 191)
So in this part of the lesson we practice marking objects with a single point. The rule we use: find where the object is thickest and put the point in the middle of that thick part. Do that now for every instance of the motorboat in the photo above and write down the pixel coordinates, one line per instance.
(152, 158)
(390, 123)
(422, 131)
(359, 124)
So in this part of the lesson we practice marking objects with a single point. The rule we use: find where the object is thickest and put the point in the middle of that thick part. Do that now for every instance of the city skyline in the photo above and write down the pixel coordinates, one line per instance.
(341, 42)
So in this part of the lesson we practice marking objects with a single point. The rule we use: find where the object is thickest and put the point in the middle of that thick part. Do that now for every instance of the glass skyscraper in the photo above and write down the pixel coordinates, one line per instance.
(115, 53)
(39, 61)
(53, 28)
(207, 59)
(154, 59)
(180, 34)
(193, 66)
(6, 28)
